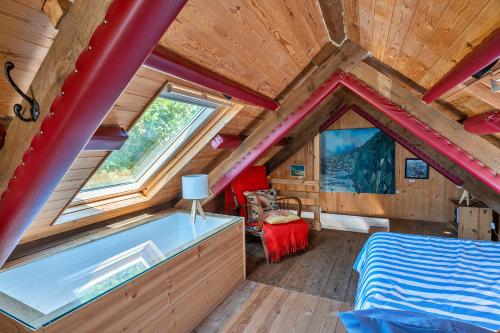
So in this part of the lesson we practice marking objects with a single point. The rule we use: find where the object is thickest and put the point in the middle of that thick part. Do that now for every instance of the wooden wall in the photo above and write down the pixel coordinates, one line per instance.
(419, 200)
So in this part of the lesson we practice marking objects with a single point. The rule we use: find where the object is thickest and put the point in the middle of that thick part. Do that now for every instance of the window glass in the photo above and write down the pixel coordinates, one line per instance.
(168, 122)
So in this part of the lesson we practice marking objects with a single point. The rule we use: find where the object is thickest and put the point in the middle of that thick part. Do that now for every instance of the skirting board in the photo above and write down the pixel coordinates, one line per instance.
(348, 222)
(352, 223)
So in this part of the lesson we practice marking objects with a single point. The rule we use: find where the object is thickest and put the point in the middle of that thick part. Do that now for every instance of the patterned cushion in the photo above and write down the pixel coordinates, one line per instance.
(279, 216)
(264, 198)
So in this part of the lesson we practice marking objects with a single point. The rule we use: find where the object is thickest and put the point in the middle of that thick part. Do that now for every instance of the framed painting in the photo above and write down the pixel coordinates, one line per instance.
(416, 169)
(297, 170)
(360, 160)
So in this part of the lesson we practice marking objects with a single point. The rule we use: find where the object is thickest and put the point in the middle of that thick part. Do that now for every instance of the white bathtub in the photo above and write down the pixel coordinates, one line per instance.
(43, 290)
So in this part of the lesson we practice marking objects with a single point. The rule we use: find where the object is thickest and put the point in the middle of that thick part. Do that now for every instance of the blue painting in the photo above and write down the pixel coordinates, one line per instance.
(416, 169)
(357, 160)
(297, 170)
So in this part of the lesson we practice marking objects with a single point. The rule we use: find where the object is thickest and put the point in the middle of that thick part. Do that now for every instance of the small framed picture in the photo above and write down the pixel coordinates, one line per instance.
(416, 169)
(297, 170)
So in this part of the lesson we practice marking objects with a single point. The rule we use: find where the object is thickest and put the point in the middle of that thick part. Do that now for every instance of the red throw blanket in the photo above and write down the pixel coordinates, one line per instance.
(286, 238)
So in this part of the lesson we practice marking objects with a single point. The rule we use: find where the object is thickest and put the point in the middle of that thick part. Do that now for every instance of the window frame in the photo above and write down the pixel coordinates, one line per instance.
(78, 214)
(111, 191)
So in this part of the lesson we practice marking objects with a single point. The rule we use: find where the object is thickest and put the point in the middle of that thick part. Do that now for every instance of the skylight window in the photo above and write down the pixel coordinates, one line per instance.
(162, 129)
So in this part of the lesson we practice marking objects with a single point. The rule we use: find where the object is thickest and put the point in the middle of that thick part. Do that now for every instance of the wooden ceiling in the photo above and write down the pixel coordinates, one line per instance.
(263, 45)
(259, 43)
(25, 37)
(423, 40)
(272, 45)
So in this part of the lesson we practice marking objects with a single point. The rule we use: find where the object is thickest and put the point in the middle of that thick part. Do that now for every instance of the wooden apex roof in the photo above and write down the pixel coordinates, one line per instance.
(267, 46)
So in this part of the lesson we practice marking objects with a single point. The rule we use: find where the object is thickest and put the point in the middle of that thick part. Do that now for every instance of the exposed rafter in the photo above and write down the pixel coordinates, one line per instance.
(168, 62)
(333, 15)
(302, 101)
(227, 141)
(486, 123)
(56, 10)
(73, 102)
(480, 57)
(470, 183)
(475, 155)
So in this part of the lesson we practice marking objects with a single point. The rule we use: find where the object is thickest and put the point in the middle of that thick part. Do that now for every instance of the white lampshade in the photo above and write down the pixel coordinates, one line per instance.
(195, 187)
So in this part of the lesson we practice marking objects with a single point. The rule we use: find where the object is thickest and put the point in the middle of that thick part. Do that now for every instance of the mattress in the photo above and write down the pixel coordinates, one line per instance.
(451, 278)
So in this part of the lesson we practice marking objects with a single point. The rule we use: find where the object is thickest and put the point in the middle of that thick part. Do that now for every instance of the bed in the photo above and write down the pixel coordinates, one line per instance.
(451, 278)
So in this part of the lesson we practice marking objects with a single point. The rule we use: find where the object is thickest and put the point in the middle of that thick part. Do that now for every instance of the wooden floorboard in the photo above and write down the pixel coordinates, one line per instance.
(325, 269)
(303, 292)
(257, 307)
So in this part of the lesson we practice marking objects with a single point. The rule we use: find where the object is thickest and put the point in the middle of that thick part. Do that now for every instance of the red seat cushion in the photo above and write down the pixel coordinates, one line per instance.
(286, 238)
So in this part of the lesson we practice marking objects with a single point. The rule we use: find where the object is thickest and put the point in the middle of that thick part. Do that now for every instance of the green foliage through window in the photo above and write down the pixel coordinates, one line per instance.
(161, 125)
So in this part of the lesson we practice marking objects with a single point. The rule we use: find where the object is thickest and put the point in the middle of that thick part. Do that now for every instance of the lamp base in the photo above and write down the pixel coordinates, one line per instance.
(196, 206)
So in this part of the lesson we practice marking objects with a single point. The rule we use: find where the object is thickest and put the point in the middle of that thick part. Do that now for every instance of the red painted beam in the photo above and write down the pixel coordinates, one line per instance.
(107, 138)
(104, 70)
(334, 117)
(480, 57)
(420, 130)
(228, 141)
(168, 62)
(272, 138)
(426, 134)
(405, 143)
(486, 123)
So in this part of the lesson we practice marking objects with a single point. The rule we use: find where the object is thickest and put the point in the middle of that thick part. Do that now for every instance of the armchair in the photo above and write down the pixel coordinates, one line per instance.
(280, 231)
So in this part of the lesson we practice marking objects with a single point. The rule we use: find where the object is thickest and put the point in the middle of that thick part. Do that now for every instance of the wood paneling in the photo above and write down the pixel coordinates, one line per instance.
(174, 296)
(424, 39)
(25, 37)
(291, 33)
(261, 44)
(418, 200)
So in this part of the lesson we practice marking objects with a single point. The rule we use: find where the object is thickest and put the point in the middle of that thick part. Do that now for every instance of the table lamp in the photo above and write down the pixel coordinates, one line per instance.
(195, 187)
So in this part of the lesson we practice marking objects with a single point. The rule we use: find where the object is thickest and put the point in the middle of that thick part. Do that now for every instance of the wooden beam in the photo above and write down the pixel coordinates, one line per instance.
(344, 58)
(481, 56)
(56, 10)
(306, 131)
(332, 11)
(59, 62)
(228, 141)
(75, 91)
(470, 183)
(481, 151)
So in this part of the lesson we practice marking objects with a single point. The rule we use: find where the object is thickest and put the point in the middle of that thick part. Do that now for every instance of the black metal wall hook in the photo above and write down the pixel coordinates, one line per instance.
(34, 107)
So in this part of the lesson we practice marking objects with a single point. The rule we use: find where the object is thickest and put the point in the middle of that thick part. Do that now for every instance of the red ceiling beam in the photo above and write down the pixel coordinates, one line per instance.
(104, 70)
(228, 141)
(426, 134)
(168, 62)
(480, 57)
(318, 96)
(405, 143)
(486, 123)
(107, 138)
(419, 129)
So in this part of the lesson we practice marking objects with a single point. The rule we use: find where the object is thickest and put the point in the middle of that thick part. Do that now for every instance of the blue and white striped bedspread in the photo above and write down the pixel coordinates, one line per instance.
(447, 277)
